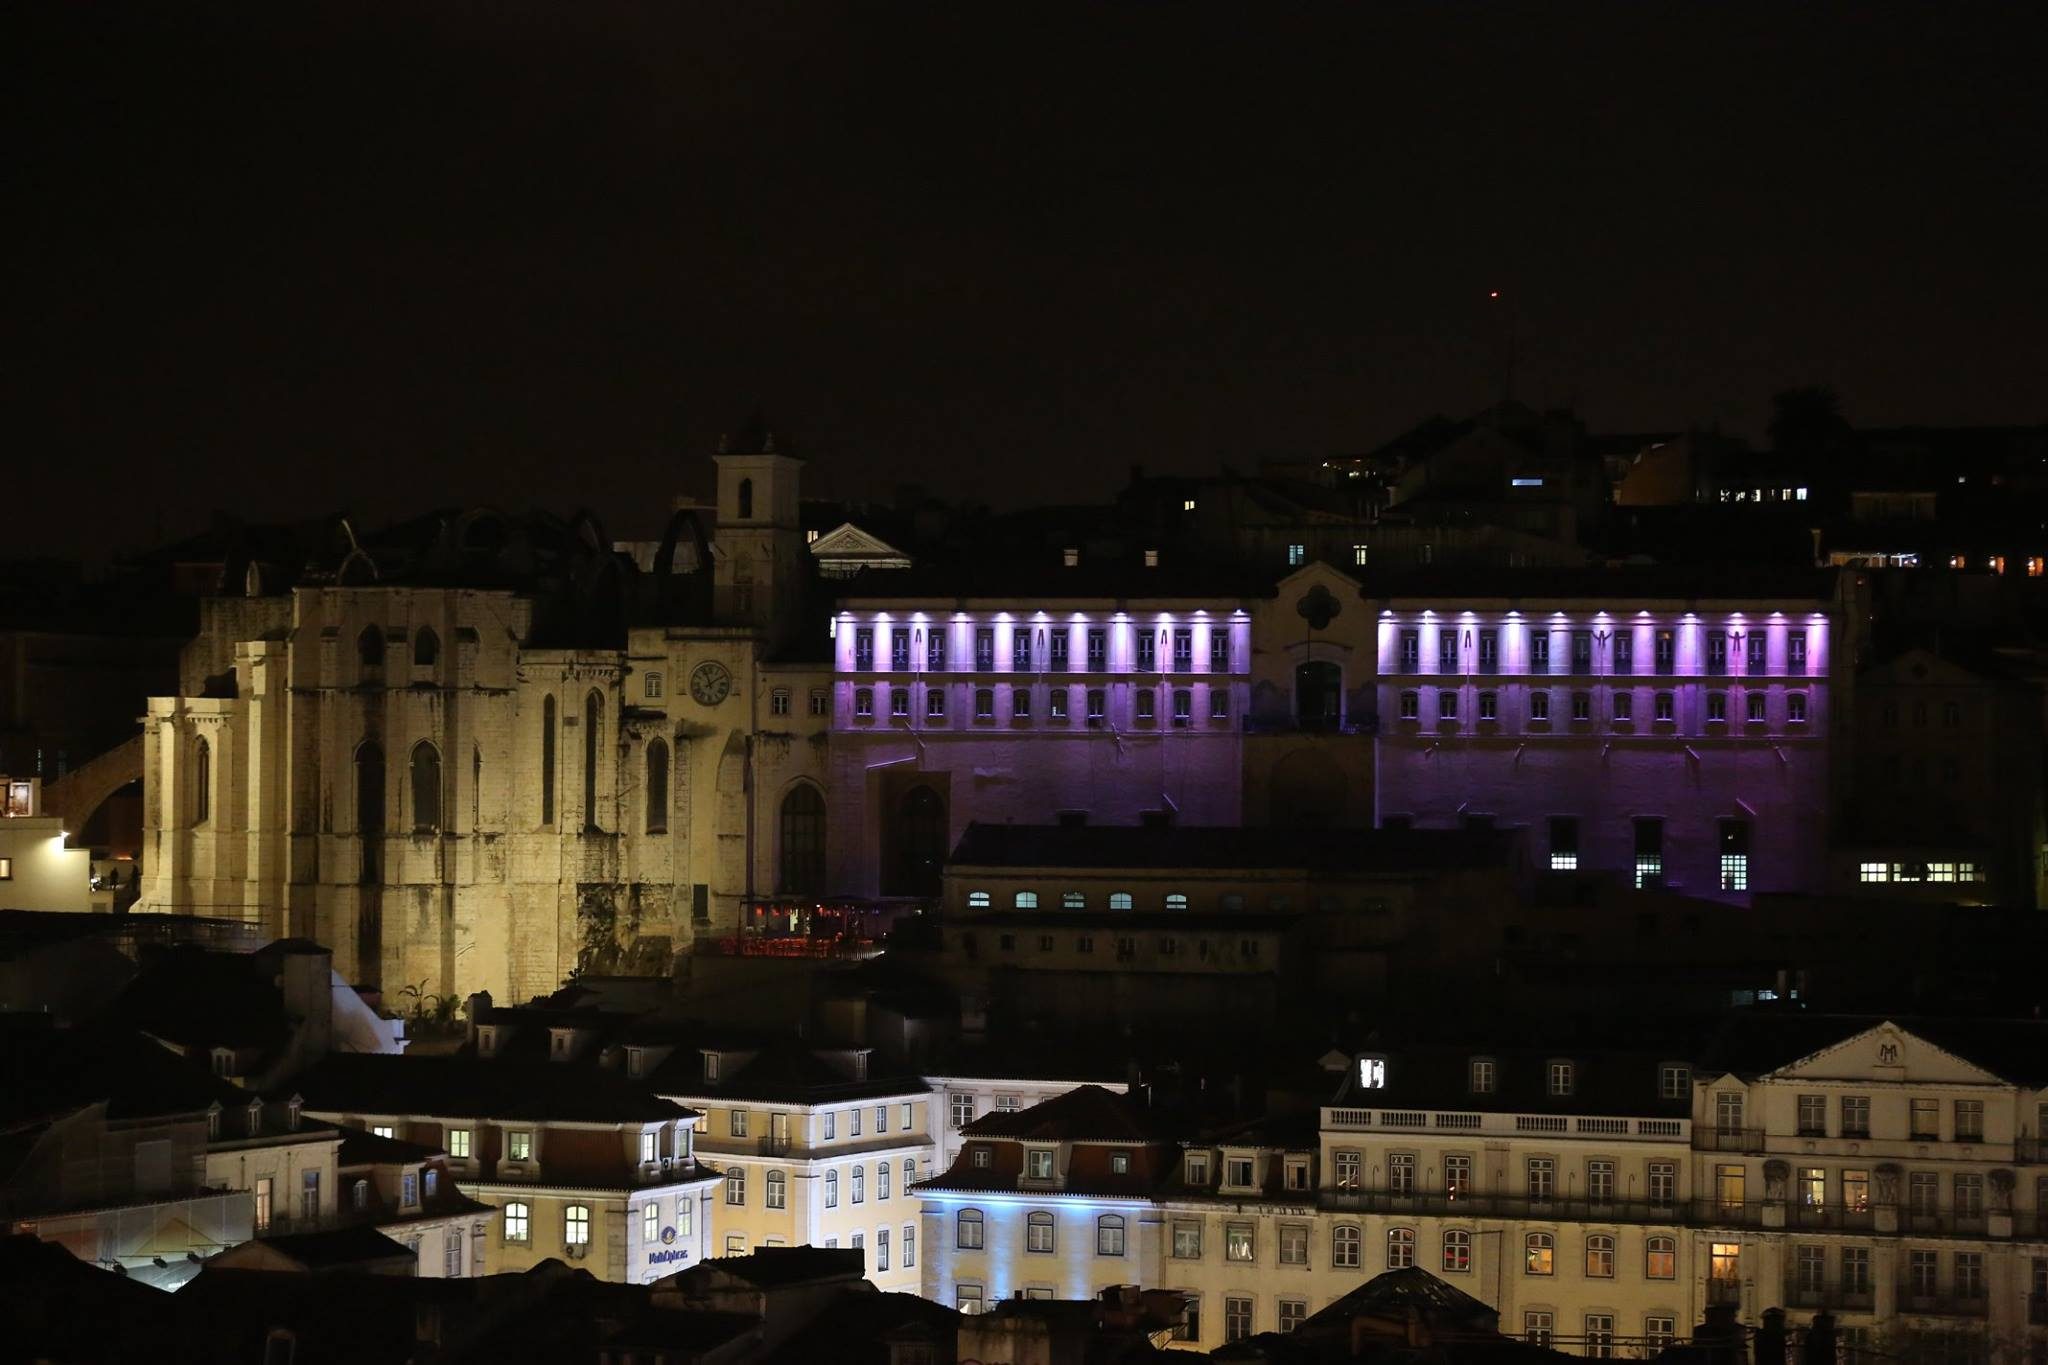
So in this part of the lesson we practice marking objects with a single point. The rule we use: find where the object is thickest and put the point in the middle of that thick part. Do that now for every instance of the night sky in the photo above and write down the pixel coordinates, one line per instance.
(285, 258)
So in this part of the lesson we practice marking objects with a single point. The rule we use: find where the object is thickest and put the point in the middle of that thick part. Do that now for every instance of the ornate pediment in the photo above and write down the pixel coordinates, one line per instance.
(1887, 1052)
(848, 542)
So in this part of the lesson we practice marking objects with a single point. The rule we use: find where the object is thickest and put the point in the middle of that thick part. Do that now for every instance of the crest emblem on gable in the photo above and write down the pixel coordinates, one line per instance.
(1887, 1054)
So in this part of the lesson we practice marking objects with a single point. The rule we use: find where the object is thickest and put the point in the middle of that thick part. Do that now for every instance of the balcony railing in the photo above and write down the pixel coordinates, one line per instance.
(1952, 1303)
(1830, 1295)
(1489, 1122)
(1724, 1289)
(1707, 1139)
(1444, 1204)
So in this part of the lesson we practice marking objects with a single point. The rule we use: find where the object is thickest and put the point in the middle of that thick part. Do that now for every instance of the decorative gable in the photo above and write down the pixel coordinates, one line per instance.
(1887, 1053)
(846, 548)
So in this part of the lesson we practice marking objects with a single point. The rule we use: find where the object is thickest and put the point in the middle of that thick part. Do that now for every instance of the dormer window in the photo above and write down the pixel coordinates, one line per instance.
(636, 1061)
(223, 1061)
(1070, 556)
(1038, 1163)
(1197, 1168)
(433, 1182)
(213, 1123)
(1484, 1075)
(255, 1117)
(1674, 1081)
(711, 1068)
(292, 1107)
(409, 1190)
(980, 1158)
(1372, 1073)
(1237, 1172)
(1564, 1077)
(359, 1196)
(860, 1066)
(1119, 1163)
(1297, 1173)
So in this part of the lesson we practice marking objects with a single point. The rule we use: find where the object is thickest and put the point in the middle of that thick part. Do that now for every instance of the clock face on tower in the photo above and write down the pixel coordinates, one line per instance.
(710, 683)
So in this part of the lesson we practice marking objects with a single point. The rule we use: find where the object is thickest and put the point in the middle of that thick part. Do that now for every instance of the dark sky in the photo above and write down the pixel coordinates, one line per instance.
(287, 258)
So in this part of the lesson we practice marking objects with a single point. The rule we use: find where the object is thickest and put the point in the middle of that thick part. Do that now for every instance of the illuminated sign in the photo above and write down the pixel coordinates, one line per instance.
(1372, 1073)
(669, 1252)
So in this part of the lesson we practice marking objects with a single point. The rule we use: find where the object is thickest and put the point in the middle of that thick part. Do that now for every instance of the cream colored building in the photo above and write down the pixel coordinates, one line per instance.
(816, 1152)
(37, 872)
(446, 781)
(579, 1165)
(1893, 1174)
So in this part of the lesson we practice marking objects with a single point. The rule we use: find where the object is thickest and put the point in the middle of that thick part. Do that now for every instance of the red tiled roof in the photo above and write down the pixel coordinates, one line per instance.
(1086, 1113)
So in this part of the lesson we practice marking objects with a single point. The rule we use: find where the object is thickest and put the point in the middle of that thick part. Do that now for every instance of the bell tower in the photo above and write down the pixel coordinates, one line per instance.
(758, 545)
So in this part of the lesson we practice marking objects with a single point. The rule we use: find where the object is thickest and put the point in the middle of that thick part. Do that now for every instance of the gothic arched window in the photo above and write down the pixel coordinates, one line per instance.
(426, 647)
(370, 647)
(547, 760)
(426, 787)
(803, 841)
(746, 499)
(202, 782)
(593, 707)
(657, 787)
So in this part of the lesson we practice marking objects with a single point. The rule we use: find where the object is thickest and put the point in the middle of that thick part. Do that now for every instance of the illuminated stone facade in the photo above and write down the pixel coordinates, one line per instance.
(402, 772)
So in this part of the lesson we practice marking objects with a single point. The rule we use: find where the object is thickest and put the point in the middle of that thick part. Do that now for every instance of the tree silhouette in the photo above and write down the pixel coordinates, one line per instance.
(1808, 422)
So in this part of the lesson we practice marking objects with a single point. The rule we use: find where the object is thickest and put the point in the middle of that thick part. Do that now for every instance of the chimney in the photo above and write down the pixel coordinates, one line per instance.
(1820, 1340)
(1768, 1348)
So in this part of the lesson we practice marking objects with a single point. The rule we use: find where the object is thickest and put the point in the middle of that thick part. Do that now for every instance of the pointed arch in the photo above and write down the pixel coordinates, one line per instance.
(426, 648)
(801, 842)
(593, 713)
(547, 759)
(370, 806)
(746, 500)
(426, 787)
(657, 786)
(370, 647)
(202, 781)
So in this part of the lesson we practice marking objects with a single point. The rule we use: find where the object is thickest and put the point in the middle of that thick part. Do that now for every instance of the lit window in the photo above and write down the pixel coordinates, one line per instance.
(1118, 900)
(977, 900)
(1176, 900)
(1151, 559)
(1073, 900)
(1539, 1254)
(1025, 900)
(1795, 708)
(519, 1145)
(1562, 1077)
(651, 687)
(1372, 1073)
(1359, 554)
(517, 1221)
(1238, 1243)
(1649, 852)
(1660, 1258)
(1600, 1257)
(1070, 556)
(576, 1225)
(1735, 855)
(1482, 1074)
(1187, 504)
(1297, 555)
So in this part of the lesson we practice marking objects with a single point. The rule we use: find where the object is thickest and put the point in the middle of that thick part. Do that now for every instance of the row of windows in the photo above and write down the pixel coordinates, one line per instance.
(1059, 704)
(775, 1185)
(778, 701)
(1540, 1177)
(426, 646)
(737, 1119)
(1732, 846)
(1597, 651)
(1482, 1077)
(1446, 702)
(736, 1245)
(1961, 870)
(1040, 1233)
(1046, 650)
(1125, 946)
(1852, 1116)
(960, 1108)
(517, 1222)
(1660, 1330)
(1078, 900)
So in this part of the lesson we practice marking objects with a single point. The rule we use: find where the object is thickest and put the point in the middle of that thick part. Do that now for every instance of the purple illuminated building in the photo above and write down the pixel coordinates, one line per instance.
(1078, 702)
(1676, 739)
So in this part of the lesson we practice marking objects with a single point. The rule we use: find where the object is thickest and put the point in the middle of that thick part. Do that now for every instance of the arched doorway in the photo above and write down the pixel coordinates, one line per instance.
(802, 842)
(1318, 695)
(917, 844)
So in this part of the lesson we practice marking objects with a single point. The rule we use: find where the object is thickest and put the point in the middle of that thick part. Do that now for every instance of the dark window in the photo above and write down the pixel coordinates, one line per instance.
(984, 703)
(1489, 651)
(1183, 649)
(426, 787)
(370, 647)
(803, 841)
(1582, 651)
(984, 648)
(1219, 649)
(918, 844)
(1447, 651)
(1318, 695)
(1717, 653)
(1759, 647)
(1795, 653)
(426, 648)
(1539, 652)
(935, 650)
(700, 903)
(746, 499)
(547, 761)
(1411, 651)
(1667, 651)
(202, 782)
(1098, 646)
(593, 708)
(1564, 843)
(1056, 651)
(370, 807)
(899, 650)
(1624, 652)
(1020, 651)
(657, 787)
(864, 648)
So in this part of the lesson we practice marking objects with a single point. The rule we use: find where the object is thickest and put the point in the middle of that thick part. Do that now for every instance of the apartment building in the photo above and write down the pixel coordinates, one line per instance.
(1892, 1173)
(816, 1149)
(580, 1164)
